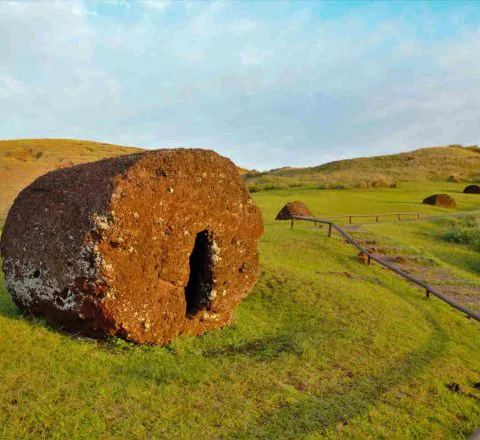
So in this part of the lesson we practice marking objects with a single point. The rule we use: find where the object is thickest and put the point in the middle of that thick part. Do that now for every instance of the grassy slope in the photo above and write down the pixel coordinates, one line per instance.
(426, 239)
(406, 198)
(313, 353)
(426, 164)
(22, 161)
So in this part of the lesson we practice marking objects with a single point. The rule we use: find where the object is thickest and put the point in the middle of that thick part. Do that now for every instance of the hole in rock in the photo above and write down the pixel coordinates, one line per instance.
(200, 282)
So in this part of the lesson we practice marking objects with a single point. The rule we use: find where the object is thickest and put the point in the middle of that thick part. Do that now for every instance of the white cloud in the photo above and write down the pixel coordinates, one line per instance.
(11, 87)
(156, 5)
(296, 90)
(252, 56)
(242, 27)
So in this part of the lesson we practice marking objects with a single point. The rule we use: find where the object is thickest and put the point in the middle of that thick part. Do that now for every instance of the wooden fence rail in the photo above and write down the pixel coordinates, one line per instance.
(428, 289)
(377, 216)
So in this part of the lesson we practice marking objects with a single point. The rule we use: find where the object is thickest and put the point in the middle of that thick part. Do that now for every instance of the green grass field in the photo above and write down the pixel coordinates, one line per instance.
(323, 348)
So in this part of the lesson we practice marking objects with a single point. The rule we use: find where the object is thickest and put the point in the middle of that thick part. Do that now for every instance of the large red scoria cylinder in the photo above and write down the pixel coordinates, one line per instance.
(148, 246)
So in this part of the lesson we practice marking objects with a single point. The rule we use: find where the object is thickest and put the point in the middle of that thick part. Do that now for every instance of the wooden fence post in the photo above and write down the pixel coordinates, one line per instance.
(329, 230)
(291, 225)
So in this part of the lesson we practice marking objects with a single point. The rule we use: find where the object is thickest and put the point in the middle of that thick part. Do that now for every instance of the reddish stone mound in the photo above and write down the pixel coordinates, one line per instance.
(293, 208)
(472, 189)
(442, 200)
(147, 247)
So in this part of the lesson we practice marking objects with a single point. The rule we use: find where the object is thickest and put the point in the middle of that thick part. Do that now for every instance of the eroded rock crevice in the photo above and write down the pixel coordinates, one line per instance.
(198, 291)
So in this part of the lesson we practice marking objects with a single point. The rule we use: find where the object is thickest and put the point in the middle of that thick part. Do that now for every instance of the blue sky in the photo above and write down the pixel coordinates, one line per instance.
(268, 83)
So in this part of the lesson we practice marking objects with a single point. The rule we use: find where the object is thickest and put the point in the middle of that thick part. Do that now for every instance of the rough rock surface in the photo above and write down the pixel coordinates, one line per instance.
(472, 189)
(147, 247)
(442, 200)
(293, 208)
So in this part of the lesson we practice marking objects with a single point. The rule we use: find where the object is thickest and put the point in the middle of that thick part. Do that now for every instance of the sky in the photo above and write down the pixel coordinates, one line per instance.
(266, 83)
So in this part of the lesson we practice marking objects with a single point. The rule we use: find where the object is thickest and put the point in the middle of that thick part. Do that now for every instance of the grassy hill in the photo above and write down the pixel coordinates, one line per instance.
(22, 161)
(454, 163)
(325, 347)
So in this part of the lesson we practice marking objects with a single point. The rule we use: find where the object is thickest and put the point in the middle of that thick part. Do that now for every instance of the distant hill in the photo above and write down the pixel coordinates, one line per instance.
(22, 161)
(452, 163)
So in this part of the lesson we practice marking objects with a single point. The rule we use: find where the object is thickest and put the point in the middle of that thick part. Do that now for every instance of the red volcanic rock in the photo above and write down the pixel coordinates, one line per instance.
(442, 200)
(472, 189)
(147, 247)
(293, 208)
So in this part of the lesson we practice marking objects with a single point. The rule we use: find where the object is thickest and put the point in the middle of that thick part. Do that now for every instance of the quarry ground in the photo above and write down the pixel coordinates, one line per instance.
(324, 347)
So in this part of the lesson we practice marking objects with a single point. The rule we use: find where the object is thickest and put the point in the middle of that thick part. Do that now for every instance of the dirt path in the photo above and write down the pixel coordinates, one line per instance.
(411, 261)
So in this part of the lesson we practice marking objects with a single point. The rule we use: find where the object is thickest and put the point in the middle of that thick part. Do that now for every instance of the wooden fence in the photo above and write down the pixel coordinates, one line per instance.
(376, 216)
(428, 289)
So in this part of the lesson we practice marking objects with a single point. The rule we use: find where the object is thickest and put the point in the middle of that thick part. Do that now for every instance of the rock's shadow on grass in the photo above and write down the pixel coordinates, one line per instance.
(7, 308)
(266, 348)
(164, 365)
(320, 412)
